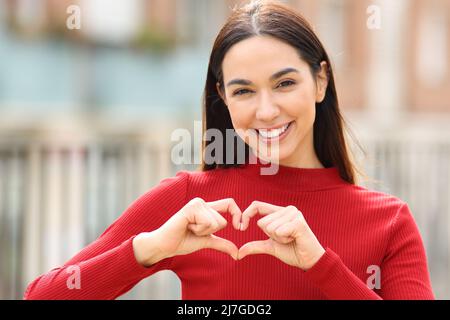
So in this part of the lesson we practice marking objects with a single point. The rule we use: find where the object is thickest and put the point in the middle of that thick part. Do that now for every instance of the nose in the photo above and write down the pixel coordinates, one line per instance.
(267, 110)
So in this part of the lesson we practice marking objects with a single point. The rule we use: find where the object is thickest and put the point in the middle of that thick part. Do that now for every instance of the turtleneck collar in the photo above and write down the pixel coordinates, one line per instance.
(292, 178)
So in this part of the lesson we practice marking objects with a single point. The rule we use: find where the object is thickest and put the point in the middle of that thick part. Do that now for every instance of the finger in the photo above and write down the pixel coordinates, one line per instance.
(286, 217)
(257, 207)
(222, 222)
(223, 245)
(204, 222)
(256, 247)
(200, 229)
(216, 221)
(212, 221)
(227, 205)
(265, 221)
(289, 229)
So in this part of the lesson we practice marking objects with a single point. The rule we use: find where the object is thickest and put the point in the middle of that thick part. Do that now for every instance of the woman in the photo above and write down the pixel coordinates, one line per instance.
(305, 231)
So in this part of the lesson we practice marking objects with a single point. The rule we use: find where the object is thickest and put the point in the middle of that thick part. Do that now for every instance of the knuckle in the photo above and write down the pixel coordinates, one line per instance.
(300, 220)
(303, 223)
(300, 224)
(230, 200)
(292, 208)
(196, 202)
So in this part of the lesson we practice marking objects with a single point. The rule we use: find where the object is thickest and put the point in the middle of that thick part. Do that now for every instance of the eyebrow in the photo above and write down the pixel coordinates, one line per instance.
(275, 76)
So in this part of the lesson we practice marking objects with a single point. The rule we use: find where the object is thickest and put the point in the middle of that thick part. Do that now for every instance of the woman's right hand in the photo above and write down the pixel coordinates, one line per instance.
(189, 230)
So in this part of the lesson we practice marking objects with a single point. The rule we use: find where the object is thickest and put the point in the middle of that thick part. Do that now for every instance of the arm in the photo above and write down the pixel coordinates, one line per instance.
(107, 268)
(404, 271)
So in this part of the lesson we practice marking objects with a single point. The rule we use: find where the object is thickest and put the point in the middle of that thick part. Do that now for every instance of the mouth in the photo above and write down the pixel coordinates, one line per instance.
(274, 134)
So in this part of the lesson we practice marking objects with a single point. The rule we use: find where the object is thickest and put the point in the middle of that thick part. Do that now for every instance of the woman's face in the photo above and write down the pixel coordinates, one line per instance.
(271, 95)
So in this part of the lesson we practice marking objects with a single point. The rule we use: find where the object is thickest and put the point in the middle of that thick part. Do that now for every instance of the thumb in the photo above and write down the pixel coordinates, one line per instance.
(221, 244)
(256, 247)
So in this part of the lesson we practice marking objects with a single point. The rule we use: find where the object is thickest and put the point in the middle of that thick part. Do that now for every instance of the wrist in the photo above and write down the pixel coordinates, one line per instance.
(310, 262)
(146, 249)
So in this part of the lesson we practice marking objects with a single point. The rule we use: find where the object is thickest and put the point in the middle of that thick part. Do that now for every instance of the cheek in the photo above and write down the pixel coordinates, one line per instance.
(241, 115)
(302, 104)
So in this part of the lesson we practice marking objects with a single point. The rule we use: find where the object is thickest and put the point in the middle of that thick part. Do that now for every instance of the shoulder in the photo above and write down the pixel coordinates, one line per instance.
(168, 194)
(377, 202)
(376, 196)
(377, 208)
(185, 180)
(177, 181)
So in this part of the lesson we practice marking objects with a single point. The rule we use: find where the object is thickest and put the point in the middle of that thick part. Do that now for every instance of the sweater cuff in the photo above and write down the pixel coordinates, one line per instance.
(322, 270)
(114, 272)
(130, 268)
(337, 281)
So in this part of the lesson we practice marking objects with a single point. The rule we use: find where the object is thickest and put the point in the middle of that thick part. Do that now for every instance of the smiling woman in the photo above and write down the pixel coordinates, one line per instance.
(279, 83)
(318, 235)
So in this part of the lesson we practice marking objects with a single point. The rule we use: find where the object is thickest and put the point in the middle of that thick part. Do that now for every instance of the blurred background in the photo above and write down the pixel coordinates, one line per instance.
(86, 115)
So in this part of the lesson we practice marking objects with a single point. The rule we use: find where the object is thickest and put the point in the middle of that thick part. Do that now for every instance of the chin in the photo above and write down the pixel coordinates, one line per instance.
(281, 157)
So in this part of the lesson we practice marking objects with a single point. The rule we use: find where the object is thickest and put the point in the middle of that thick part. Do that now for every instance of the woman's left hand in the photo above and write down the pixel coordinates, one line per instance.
(290, 238)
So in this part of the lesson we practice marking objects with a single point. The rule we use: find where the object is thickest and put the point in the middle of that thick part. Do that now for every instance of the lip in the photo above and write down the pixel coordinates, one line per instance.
(280, 137)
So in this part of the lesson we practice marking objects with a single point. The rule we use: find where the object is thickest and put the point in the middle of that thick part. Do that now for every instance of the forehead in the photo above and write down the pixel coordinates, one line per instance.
(258, 55)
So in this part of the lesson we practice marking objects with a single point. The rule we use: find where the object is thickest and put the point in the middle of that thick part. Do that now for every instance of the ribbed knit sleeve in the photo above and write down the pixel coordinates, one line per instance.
(107, 268)
(404, 272)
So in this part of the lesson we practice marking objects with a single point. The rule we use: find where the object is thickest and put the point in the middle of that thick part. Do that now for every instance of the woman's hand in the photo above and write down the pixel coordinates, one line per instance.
(290, 238)
(190, 229)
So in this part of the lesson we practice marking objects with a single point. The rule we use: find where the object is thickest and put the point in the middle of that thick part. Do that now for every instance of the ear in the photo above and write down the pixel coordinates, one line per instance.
(220, 92)
(322, 82)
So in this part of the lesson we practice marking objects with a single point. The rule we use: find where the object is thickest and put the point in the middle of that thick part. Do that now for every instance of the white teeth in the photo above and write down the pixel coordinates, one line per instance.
(273, 133)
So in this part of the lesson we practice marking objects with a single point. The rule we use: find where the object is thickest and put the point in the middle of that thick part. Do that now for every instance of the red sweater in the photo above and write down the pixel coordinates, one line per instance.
(357, 227)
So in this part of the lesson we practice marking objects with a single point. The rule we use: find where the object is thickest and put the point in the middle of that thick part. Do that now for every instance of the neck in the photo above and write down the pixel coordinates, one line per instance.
(306, 161)
(291, 178)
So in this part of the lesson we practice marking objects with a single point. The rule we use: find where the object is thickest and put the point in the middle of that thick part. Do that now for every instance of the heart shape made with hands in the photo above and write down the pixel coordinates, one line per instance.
(289, 237)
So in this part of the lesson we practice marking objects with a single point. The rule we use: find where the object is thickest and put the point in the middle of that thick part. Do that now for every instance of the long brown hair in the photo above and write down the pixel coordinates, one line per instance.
(284, 23)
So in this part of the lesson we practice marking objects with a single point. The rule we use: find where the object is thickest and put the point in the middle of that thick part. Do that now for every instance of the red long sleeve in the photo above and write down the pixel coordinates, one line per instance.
(358, 227)
(404, 273)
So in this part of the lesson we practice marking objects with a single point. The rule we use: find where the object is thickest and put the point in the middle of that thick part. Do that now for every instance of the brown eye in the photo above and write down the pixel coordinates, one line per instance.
(286, 83)
(240, 92)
